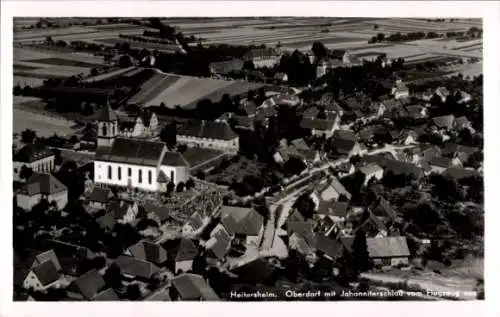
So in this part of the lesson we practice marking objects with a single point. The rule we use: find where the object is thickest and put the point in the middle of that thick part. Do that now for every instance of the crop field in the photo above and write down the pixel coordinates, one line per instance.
(28, 114)
(27, 81)
(42, 64)
(186, 91)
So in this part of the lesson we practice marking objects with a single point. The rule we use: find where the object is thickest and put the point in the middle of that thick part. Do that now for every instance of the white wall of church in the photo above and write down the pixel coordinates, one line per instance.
(181, 174)
(101, 175)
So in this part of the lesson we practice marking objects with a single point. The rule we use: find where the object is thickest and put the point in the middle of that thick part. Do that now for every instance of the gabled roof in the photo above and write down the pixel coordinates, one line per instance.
(101, 195)
(106, 295)
(444, 121)
(460, 173)
(208, 129)
(370, 168)
(136, 268)
(89, 284)
(146, 117)
(174, 159)
(383, 247)
(220, 243)
(132, 151)
(300, 144)
(148, 251)
(119, 208)
(261, 53)
(195, 221)
(317, 124)
(462, 121)
(414, 110)
(338, 209)
(302, 245)
(107, 114)
(384, 209)
(187, 251)
(106, 221)
(31, 153)
(45, 184)
(49, 255)
(162, 178)
(442, 91)
(331, 247)
(325, 191)
(162, 295)
(441, 161)
(46, 273)
(239, 220)
(193, 287)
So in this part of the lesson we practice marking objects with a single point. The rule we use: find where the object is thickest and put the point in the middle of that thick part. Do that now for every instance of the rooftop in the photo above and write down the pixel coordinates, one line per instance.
(208, 129)
(132, 151)
(45, 184)
(31, 153)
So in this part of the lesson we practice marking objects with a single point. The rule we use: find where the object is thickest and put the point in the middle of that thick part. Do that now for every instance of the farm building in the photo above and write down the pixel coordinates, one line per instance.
(209, 134)
(225, 67)
(42, 186)
(400, 90)
(40, 160)
(388, 251)
(263, 57)
(42, 277)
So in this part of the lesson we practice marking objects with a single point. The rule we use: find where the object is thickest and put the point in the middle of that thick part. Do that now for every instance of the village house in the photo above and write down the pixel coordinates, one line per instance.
(442, 93)
(263, 57)
(400, 90)
(329, 191)
(100, 197)
(388, 251)
(49, 255)
(371, 171)
(372, 226)
(331, 249)
(186, 253)
(42, 277)
(420, 153)
(335, 211)
(87, 286)
(219, 243)
(443, 123)
(243, 223)
(225, 67)
(416, 111)
(458, 173)
(40, 160)
(42, 187)
(209, 134)
(345, 169)
(345, 142)
(192, 287)
(108, 295)
(439, 164)
(144, 125)
(133, 163)
(463, 97)
(296, 149)
(408, 137)
(281, 77)
(148, 251)
(70, 256)
(324, 66)
(123, 211)
(195, 224)
(134, 269)
(384, 210)
(463, 123)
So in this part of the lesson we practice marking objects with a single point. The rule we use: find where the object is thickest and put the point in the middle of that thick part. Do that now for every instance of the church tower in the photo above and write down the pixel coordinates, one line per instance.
(107, 127)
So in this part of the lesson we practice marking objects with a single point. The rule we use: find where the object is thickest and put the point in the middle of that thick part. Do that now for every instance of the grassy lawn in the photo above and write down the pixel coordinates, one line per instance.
(235, 171)
(62, 62)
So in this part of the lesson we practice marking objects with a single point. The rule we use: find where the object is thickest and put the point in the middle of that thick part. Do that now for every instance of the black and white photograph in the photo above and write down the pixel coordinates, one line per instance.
(247, 158)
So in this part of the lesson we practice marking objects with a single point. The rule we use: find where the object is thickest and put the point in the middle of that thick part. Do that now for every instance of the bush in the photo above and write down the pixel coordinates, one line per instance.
(190, 183)
(180, 187)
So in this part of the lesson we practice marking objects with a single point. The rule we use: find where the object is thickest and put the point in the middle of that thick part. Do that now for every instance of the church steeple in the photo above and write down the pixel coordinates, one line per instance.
(107, 126)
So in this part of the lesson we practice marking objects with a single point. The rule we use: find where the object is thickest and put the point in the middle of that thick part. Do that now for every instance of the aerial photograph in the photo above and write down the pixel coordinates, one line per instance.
(247, 159)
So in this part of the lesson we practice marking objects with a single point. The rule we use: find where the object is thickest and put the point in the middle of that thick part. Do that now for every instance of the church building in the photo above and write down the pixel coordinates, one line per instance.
(134, 163)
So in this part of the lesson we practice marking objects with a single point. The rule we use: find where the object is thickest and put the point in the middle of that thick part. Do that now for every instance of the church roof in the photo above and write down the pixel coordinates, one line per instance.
(174, 159)
(107, 114)
(132, 151)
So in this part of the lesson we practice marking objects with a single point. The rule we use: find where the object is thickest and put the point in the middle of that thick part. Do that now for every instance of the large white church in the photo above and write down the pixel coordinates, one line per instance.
(134, 163)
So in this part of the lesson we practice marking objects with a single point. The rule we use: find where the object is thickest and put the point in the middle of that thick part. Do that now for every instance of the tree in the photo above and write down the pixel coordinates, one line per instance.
(133, 292)
(180, 187)
(360, 258)
(305, 205)
(17, 90)
(190, 183)
(28, 136)
(319, 50)
(248, 65)
(125, 61)
(170, 187)
(26, 172)
(87, 110)
(169, 135)
(112, 276)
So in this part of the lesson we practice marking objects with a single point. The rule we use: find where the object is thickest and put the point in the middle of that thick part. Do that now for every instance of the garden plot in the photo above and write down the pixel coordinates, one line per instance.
(43, 33)
(469, 70)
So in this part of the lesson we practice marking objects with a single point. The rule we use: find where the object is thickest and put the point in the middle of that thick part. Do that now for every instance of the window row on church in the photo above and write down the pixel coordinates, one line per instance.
(139, 174)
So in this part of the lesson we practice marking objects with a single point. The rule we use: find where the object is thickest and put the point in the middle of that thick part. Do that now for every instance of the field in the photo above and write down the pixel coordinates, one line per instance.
(33, 65)
(25, 118)
(186, 91)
